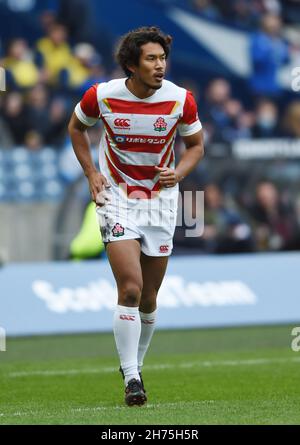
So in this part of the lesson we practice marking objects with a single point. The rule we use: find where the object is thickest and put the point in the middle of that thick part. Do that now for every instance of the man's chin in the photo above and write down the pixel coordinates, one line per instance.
(157, 85)
(154, 85)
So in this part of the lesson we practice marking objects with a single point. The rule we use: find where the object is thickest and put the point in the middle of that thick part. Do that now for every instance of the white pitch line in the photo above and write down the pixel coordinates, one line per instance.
(195, 364)
(147, 406)
(57, 372)
(103, 407)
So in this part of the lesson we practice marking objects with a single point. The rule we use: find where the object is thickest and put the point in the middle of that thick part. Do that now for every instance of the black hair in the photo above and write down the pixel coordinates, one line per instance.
(129, 49)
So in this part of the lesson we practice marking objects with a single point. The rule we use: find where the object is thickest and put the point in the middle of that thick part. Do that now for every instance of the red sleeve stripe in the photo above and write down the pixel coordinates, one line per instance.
(89, 102)
(190, 114)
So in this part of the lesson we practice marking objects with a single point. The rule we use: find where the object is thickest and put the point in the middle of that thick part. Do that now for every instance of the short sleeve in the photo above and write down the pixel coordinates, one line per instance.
(189, 123)
(87, 110)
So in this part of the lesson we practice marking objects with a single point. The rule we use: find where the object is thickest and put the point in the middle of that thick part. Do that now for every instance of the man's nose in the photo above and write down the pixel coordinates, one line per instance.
(159, 63)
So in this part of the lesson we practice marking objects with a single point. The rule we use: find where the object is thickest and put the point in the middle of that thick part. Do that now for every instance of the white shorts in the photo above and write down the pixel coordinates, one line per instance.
(154, 227)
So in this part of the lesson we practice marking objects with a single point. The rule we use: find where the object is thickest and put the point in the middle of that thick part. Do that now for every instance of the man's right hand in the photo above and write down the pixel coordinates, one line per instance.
(97, 183)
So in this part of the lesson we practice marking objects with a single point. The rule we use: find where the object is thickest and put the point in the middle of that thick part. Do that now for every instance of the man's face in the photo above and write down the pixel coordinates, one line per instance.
(152, 65)
(272, 24)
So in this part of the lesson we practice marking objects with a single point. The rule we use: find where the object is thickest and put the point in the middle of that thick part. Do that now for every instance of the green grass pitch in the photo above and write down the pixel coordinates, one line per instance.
(246, 375)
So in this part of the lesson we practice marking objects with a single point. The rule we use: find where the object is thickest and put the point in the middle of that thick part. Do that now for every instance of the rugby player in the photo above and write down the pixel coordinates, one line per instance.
(136, 189)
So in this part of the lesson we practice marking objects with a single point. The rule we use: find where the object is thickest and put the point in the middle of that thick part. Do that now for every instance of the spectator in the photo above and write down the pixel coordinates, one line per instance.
(225, 230)
(274, 222)
(54, 53)
(33, 140)
(5, 136)
(291, 120)
(224, 118)
(15, 117)
(97, 74)
(213, 113)
(266, 120)
(37, 109)
(239, 124)
(85, 69)
(246, 122)
(56, 132)
(22, 72)
(268, 53)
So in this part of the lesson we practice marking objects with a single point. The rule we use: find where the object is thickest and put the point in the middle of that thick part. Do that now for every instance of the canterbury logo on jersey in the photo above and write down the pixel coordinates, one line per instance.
(127, 317)
(122, 123)
(164, 249)
(139, 140)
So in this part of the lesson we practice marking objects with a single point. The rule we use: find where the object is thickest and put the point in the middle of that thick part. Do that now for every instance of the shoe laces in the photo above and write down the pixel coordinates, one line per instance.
(134, 385)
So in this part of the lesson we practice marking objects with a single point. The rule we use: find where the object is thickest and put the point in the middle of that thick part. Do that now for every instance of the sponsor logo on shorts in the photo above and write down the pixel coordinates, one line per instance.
(118, 230)
(122, 123)
(127, 317)
(164, 248)
(160, 124)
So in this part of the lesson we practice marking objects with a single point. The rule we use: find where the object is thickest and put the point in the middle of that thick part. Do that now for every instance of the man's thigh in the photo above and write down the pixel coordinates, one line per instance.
(153, 272)
(124, 258)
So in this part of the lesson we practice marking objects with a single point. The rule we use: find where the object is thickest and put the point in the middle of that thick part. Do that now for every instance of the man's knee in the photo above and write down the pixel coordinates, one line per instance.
(148, 301)
(130, 294)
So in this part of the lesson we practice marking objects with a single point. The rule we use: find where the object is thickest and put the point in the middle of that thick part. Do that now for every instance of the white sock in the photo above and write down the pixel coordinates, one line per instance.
(127, 331)
(147, 329)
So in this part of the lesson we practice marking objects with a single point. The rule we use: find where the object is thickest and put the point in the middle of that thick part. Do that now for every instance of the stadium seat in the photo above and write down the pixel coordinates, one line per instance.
(51, 190)
(26, 191)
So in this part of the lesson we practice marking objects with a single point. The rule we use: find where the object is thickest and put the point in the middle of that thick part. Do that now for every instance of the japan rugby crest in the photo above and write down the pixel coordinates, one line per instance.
(118, 230)
(160, 124)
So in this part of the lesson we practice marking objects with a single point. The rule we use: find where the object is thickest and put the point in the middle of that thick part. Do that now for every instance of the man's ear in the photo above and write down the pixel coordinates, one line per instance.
(131, 69)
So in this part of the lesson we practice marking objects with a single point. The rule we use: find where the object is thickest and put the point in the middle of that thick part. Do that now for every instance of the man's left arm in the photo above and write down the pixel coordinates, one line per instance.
(192, 155)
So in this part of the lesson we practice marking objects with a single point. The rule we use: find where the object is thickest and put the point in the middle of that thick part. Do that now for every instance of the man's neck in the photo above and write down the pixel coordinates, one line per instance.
(139, 89)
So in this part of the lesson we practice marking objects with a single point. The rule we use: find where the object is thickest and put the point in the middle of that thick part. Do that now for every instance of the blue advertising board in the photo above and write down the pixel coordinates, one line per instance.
(198, 291)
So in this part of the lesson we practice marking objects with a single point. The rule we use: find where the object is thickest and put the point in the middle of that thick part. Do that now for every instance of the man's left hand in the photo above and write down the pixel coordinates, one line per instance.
(168, 177)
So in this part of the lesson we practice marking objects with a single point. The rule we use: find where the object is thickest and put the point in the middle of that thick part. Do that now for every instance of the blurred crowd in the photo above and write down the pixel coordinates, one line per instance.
(263, 220)
(264, 109)
(46, 80)
(226, 118)
(246, 13)
(43, 85)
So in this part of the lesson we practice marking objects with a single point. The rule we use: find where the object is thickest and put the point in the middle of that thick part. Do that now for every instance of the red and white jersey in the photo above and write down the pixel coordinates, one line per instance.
(139, 133)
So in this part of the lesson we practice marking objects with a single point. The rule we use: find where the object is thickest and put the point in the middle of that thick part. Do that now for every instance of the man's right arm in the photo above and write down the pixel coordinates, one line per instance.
(81, 146)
